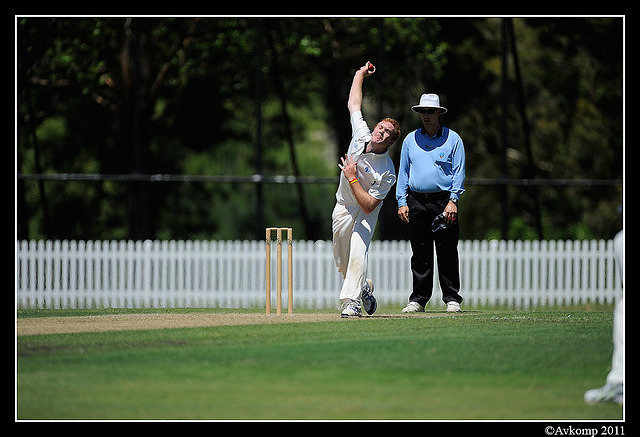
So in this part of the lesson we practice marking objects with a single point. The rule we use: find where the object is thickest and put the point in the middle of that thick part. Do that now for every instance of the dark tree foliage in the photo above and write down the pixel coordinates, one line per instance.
(126, 98)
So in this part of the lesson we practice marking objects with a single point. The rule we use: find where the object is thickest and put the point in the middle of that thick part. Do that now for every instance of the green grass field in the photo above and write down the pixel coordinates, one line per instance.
(478, 365)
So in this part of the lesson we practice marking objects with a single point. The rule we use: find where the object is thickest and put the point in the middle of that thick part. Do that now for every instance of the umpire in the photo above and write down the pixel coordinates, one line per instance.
(430, 182)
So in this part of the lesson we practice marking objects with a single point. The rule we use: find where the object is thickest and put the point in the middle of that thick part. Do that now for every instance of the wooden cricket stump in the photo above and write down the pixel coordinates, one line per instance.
(279, 231)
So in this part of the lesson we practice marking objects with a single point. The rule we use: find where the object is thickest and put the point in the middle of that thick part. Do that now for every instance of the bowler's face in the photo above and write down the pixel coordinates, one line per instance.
(383, 132)
(382, 136)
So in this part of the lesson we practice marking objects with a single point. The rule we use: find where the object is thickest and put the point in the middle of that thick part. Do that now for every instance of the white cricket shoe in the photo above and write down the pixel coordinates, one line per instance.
(413, 307)
(351, 309)
(453, 307)
(607, 393)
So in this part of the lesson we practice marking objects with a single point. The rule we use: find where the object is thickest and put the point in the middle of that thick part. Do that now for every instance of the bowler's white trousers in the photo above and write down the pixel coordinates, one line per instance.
(352, 234)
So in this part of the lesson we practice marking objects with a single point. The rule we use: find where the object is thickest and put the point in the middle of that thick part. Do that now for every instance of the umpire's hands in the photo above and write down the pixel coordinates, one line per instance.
(450, 212)
(403, 213)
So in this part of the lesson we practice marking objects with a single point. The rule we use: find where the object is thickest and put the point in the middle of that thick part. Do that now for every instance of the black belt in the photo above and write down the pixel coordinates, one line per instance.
(438, 195)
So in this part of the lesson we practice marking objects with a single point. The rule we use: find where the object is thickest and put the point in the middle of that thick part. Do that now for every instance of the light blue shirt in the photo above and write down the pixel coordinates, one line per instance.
(430, 165)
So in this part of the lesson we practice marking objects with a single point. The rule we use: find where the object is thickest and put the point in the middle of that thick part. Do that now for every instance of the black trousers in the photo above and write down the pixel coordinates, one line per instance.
(423, 208)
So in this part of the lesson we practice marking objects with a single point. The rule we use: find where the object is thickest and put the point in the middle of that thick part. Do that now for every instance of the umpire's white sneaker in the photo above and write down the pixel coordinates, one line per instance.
(453, 307)
(413, 307)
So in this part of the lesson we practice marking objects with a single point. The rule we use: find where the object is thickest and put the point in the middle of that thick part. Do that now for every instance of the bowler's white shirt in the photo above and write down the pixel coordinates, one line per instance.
(375, 171)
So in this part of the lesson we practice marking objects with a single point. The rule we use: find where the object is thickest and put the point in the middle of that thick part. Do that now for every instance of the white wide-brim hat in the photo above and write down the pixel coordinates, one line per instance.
(429, 101)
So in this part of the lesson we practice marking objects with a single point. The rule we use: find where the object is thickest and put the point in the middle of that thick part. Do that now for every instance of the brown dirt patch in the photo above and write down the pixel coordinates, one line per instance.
(126, 322)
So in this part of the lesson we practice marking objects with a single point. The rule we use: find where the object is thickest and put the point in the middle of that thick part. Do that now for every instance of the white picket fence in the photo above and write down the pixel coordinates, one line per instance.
(231, 274)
